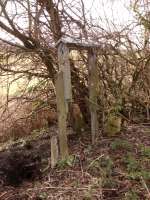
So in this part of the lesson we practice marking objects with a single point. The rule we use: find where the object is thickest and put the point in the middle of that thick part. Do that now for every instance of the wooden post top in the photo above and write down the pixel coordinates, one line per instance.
(74, 44)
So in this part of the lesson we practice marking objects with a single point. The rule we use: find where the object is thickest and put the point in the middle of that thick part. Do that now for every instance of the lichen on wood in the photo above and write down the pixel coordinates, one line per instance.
(112, 125)
(62, 116)
(93, 84)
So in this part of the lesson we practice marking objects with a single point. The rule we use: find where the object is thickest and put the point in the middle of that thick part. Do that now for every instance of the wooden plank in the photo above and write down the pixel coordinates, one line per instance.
(93, 88)
(54, 151)
(62, 115)
(80, 44)
(76, 44)
(64, 66)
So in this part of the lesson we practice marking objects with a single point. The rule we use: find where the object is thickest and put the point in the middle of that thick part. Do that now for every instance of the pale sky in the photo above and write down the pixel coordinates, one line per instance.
(115, 10)
(104, 12)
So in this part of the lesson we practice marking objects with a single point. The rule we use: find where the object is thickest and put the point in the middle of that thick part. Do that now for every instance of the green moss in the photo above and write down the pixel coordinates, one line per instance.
(120, 144)
(104, 165)
(87, 195)
(112, 125)
(131, 163)
(43, 196)
(109, 183)
(107, 165)
(135, 168)
(68, 162)
(145, 151)
(146, 130)
(131, 195)
(138, 174)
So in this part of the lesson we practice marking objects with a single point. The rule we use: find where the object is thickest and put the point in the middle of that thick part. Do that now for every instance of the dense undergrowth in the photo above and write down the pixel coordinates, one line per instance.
(114, 168)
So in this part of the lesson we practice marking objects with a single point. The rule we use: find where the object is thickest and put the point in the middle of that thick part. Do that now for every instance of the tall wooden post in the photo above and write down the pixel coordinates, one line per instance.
(63, 96)
(64, 66)
(93, 88)
(62, 116)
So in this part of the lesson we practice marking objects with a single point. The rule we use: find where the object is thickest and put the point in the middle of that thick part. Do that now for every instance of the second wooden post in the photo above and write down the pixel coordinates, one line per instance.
(93, 88)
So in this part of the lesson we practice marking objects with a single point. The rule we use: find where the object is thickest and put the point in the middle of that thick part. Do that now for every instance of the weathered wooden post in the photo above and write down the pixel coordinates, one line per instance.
(93, 88)
(63, 96)
(62, 116)
(64, 66)
(64, 89)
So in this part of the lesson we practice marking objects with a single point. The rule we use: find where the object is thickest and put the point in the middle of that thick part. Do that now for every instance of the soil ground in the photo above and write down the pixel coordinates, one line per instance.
(114, 168)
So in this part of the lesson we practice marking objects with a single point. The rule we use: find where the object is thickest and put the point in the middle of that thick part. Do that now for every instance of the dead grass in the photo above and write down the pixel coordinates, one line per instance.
(101, 172)
(21, 119)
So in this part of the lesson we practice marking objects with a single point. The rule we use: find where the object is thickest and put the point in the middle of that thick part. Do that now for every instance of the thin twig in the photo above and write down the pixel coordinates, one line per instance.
(93, 161)
(145, 186)
(70, 188)
(3, 194)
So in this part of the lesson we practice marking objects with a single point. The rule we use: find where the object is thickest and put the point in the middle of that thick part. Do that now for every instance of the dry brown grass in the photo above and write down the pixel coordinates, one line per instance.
(20, 120)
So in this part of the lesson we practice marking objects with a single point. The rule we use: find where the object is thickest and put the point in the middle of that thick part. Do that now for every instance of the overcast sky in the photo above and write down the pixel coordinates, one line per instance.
(104, 11)
(118, 10)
